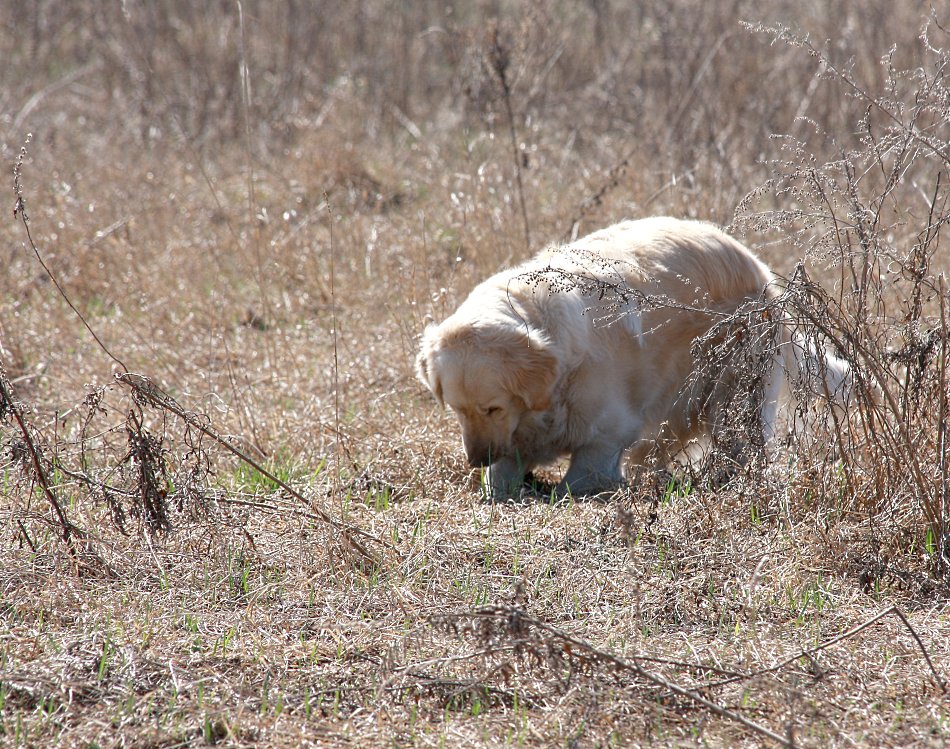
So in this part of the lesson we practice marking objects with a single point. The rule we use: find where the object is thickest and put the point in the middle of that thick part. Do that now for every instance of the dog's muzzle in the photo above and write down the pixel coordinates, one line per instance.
(480, 455)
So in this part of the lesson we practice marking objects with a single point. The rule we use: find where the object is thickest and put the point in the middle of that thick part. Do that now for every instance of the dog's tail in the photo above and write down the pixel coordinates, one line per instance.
(807, 371)
(813, 371)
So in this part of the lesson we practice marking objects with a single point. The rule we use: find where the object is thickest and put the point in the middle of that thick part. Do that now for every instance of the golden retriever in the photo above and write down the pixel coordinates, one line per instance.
(591, 349)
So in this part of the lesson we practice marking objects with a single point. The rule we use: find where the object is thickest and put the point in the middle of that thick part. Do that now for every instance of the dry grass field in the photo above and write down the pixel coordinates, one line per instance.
(231, 516)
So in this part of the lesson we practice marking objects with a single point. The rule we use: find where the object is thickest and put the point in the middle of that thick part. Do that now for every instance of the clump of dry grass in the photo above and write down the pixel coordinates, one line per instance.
(873, 216)
(266, 534)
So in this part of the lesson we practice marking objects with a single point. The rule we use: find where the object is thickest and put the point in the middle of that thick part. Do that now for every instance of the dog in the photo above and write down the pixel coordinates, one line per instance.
(597, 349)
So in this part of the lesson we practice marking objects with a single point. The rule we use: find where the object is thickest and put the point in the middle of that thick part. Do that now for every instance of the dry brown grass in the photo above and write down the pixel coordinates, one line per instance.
(277, 542)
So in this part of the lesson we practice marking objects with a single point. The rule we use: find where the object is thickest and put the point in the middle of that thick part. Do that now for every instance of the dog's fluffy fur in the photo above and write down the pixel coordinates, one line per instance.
(589, 350)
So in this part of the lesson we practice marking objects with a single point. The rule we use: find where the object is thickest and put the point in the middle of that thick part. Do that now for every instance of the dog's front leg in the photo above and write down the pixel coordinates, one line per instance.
(504, 477)
(593, 468)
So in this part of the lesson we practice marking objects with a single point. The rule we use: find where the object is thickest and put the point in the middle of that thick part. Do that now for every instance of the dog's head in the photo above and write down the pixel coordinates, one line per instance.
(491, 376)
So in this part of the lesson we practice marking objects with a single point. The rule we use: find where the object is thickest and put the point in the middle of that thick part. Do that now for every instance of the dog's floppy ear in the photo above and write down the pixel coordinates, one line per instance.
(530, 370)
(424, 370)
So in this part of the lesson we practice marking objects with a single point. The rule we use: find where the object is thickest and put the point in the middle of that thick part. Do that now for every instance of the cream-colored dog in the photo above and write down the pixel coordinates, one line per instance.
(590, 349)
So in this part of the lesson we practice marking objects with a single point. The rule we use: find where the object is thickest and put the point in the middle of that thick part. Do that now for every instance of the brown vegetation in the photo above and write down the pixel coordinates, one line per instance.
(230, 515)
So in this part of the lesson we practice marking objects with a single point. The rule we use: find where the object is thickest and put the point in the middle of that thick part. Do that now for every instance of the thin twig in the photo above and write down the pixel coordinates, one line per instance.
(595, 199)
(252, 217)
(500, 60)
(26, 535)
(942, 539)
(20, 210)
(808, 652)
(9, 404)
(923, 650)
(335, 338)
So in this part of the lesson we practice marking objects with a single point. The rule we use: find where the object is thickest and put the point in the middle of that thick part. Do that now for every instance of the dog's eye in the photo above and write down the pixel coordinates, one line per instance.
(492, 410)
